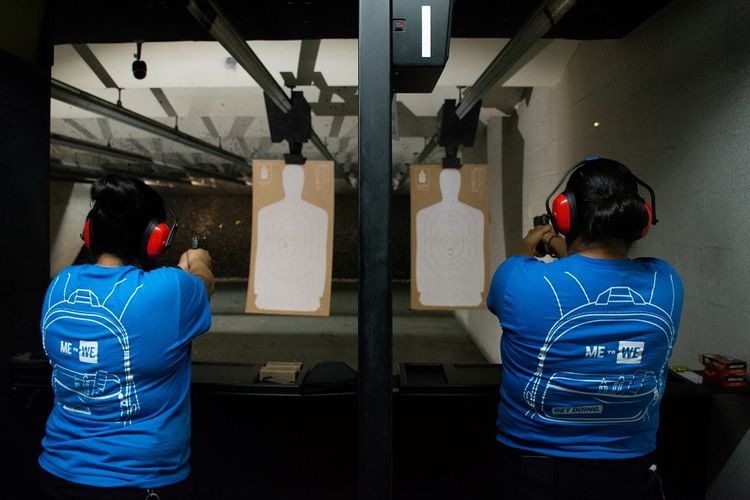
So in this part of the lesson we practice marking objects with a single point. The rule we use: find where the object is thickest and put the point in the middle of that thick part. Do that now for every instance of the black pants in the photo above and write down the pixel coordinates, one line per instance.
(523, 475)
(53, 487)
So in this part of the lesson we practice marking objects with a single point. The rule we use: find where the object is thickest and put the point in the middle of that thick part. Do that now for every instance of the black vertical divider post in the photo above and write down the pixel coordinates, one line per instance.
(375, 302)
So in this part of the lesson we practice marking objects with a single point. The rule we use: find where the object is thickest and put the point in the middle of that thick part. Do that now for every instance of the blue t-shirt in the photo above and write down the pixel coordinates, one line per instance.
(118, 340)
(585, 347)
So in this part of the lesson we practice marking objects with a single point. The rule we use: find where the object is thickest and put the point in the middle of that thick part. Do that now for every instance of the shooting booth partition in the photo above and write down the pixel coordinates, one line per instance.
(299, 440)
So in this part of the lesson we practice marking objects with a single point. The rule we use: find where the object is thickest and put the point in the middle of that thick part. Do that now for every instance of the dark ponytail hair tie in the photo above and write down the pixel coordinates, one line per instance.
(607, 199)
(123, 208)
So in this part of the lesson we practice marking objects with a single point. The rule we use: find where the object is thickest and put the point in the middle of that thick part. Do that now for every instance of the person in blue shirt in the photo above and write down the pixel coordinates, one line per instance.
(117, 334)
(585, 343)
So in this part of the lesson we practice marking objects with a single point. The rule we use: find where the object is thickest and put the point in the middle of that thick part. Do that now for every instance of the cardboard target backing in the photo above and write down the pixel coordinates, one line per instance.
(449, 237)
(292, 238)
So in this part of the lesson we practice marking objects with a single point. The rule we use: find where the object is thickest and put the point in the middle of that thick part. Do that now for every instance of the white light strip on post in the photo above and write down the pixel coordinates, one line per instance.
(426, 31)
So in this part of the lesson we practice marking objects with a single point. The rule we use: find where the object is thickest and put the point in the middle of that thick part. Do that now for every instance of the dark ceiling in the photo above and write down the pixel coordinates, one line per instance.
(97, 21)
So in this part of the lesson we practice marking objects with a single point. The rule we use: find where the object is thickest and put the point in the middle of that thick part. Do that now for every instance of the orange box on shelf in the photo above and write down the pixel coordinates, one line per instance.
(724, 379)
(722, 362)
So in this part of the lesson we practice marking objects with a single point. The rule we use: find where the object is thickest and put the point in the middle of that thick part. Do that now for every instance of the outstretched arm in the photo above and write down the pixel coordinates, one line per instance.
(198, 263)
(542, 237)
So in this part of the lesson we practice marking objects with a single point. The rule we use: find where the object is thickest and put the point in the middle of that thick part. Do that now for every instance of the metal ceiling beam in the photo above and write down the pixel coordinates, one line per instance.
(76, 97)
(78, 171)
(428, 148)
(75, 169)
(161, 98)
(308, 55)
(216, 23)
(211, 17)
(318, 143)
(96, 66)
(544, 17)
(92, 147)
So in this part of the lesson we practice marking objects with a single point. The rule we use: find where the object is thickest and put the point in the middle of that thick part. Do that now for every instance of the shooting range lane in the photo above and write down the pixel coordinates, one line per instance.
(661, 85)
(225, 220)
(428, 336)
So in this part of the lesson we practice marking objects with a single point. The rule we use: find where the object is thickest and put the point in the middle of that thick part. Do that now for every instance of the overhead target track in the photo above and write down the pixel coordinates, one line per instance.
(211, 17)
(541, 20)
(80, 99)
(99, 149)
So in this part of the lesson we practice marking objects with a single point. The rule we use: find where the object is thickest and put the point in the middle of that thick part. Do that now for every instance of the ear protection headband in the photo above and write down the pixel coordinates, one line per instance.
(157, 236)
(564, 214)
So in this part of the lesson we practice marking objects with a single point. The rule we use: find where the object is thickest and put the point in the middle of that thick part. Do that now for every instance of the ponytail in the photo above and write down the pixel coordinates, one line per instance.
(608, 202)
(122, 209)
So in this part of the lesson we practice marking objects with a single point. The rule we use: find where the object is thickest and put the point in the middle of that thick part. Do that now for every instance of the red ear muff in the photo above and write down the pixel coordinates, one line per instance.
(650, 212)
(562, 213)
(86, 234)
(157, 236)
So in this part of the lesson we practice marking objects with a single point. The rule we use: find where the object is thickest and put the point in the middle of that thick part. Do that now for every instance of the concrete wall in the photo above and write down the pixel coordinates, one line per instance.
(69, 204)
(225, 218)
(673, 102)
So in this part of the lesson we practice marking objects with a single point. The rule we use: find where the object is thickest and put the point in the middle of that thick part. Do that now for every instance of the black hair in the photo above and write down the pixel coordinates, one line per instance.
(123, 207)
(608, 205)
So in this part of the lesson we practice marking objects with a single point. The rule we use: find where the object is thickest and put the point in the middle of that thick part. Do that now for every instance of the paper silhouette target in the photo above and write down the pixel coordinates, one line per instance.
(450, 238)
(449, 212)
(290, 264)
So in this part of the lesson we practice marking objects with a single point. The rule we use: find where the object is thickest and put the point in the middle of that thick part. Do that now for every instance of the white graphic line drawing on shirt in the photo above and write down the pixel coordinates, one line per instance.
(556, 297)
(671, 282)
(128, 302)
(653, 287)
(114, 287)
(92, 386)
(52, 291)
(84, 392)
(603, 398)
(580, 285)
(633, 392)
(65, 291)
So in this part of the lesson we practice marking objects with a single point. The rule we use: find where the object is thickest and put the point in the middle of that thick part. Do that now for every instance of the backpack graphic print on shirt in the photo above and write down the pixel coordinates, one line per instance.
(617, 388)
(89, 350)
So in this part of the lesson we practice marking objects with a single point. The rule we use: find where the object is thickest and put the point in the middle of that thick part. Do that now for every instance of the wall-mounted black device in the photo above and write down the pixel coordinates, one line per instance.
(420, 40)
(453, 131)
(295, 126)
